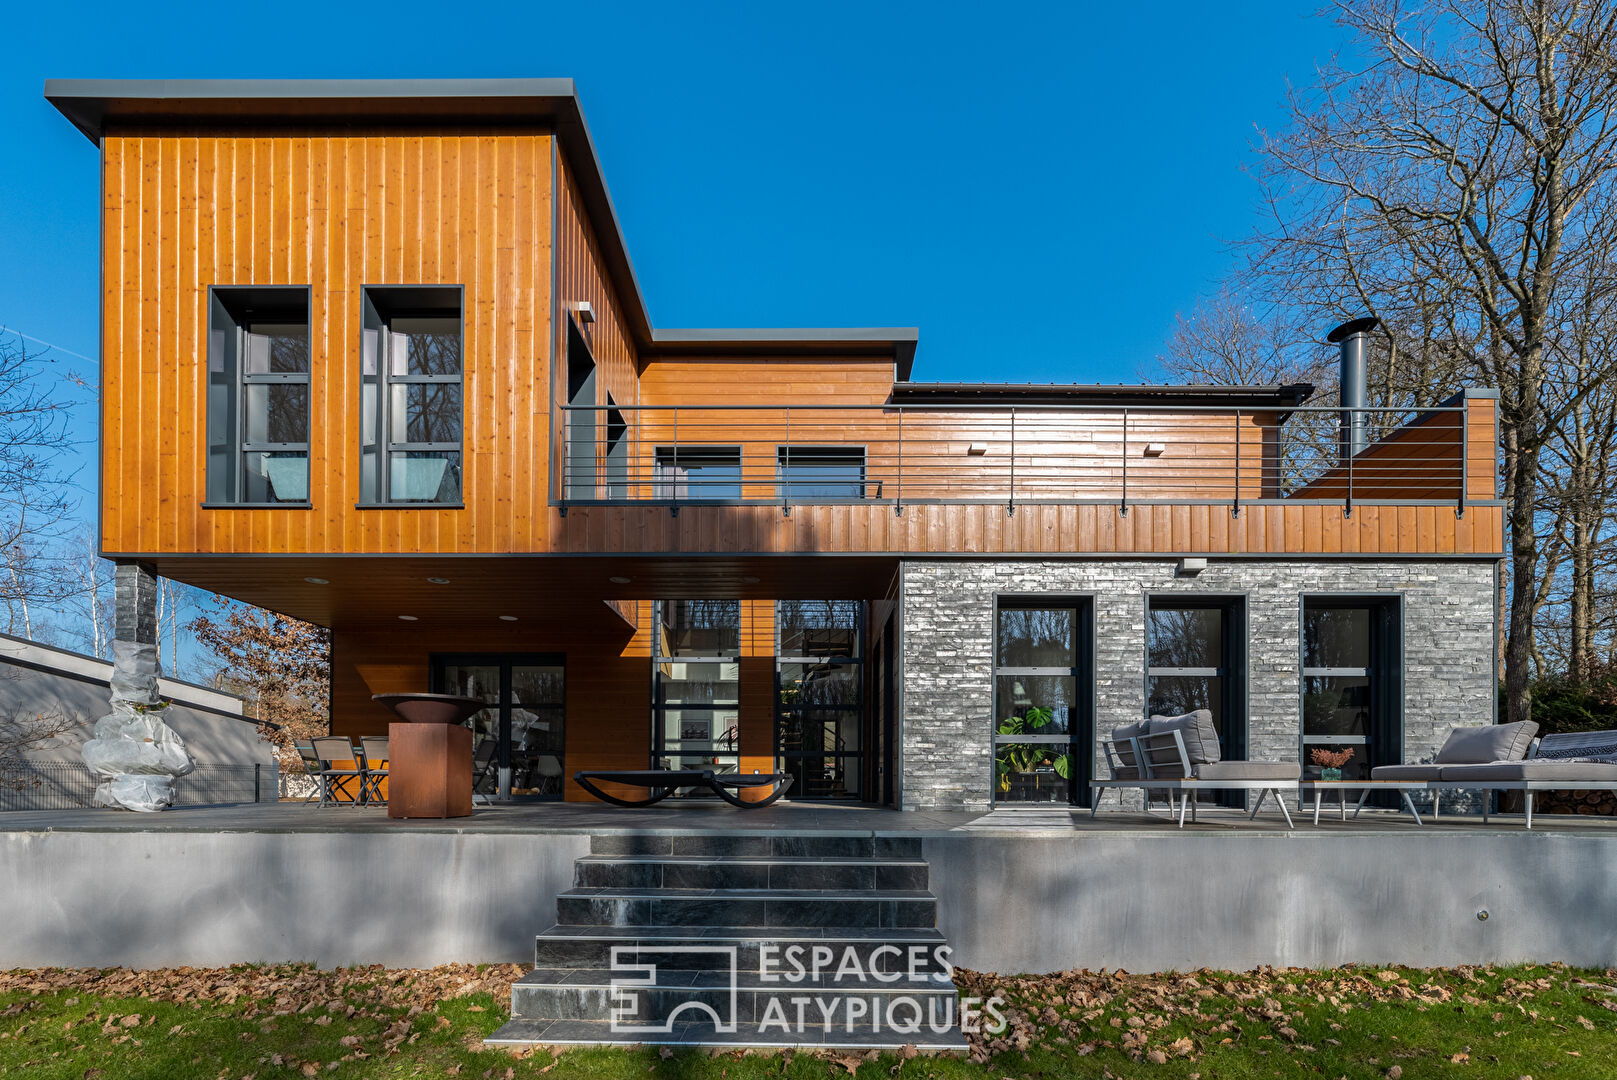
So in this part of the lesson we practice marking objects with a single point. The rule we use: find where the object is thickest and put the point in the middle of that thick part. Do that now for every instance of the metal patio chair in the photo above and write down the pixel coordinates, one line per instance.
(312, 765)
(483, 769)
(373, 763)
(332, 748)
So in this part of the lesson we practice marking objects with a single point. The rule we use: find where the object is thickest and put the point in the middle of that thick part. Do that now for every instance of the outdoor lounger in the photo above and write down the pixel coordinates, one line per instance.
(1495, 757)
(661, 783)
(1181, 754)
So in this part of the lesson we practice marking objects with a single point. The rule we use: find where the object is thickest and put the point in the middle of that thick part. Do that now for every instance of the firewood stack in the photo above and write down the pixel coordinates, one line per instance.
(1586, 803)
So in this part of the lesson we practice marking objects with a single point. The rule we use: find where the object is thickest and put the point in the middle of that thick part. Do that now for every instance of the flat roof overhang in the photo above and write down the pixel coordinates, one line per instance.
(1254, 397)
(96, 105)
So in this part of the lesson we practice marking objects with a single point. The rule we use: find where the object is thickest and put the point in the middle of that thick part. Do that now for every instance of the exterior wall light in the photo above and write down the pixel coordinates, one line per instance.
(438, 581)
(1155, 449)
(408, 618)
(508, 618)
(1192, 567)
(977, 449)
(585, 312)
(317, 581)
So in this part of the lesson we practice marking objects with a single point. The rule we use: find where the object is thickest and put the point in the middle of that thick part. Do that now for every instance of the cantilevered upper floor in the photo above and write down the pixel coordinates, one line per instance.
(399, 317)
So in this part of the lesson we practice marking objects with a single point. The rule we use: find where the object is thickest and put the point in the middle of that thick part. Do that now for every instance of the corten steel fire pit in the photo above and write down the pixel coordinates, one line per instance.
(432, 708)
(429, 755)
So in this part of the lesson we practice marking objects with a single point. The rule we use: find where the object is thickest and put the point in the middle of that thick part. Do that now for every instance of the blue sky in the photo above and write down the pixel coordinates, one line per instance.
(1038, 187)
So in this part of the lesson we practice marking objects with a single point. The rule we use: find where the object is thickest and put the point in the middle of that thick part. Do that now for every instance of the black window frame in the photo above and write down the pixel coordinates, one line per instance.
(666, 461)
(1232, 670)
(1384, 739)
(851, 762)
(238, 304)
(830, 455)
(1080, 735)
(660, 706)
(407, 301)
(439, 662)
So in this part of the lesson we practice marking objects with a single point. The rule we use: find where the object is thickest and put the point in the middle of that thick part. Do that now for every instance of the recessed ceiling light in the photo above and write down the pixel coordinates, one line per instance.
(508, 618)
(749, 581)
(438, 580)
(317, 581)
(408, 618)
(618, 580)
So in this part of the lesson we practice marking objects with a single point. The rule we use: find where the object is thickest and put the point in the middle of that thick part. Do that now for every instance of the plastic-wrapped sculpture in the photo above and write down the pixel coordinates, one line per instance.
(138, 755)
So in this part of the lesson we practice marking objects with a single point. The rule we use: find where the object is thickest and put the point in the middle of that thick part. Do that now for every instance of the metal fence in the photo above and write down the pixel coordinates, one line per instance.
(66, 785)
(895, 454)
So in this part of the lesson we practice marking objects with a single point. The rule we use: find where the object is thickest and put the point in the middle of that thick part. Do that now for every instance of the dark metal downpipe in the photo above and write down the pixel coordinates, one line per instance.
(1353, 338)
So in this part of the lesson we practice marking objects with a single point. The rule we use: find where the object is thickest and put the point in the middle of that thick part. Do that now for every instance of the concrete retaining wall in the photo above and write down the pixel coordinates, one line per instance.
(1030, 902)
(164, 899)
(1157, 902)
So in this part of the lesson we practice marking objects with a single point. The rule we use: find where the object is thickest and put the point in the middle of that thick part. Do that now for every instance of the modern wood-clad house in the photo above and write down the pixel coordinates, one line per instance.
(374, 356)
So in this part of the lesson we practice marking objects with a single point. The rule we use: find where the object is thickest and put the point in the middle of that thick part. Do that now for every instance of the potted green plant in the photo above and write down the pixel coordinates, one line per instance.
(1031, 772)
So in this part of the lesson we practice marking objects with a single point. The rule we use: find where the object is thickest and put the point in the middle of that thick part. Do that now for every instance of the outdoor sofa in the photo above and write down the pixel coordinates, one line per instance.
(1504, 757)
(1180, 755)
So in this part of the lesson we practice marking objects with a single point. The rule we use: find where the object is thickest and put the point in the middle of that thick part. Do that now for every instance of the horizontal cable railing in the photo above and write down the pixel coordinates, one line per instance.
(806, 454)
(70, 785)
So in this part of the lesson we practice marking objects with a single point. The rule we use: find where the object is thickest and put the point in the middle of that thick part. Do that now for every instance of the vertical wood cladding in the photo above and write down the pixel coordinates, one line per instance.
(580, 278)
(333, 212)
(608, 675)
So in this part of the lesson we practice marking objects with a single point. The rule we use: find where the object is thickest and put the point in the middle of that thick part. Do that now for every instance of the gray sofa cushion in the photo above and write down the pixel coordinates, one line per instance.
(1125, 750)
(1201, 737)
(1406, 772)
(1571, 773)
(1489, 743)
(1249, 770)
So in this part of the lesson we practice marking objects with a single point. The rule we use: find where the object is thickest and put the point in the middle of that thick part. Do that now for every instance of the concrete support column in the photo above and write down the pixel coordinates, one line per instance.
(135, 589)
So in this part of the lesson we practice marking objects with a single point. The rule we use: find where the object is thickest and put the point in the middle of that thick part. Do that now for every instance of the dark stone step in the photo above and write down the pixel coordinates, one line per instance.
(696, 948)
(759, 872)
(589, 995)
(783, 908)
(703, 1034)
(757, 845)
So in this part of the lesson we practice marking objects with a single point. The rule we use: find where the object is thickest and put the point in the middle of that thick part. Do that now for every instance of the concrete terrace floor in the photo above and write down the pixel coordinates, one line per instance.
(802, 819)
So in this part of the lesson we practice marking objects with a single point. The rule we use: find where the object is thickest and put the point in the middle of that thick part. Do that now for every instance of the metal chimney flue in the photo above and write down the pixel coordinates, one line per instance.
(1353, 339)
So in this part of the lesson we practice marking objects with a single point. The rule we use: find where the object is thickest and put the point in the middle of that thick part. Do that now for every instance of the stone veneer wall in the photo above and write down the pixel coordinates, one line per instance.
(947, 626)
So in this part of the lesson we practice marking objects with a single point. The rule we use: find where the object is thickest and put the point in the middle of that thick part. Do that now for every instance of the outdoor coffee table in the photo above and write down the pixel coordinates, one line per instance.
(661, 783)
(1365, 787)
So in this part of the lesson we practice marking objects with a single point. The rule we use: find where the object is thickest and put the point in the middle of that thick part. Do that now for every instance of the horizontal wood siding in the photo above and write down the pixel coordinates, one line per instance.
(608, 677)
(333, 212)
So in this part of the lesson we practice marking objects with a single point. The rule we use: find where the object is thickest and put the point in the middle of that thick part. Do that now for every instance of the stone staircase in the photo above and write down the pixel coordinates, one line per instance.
(755, 940)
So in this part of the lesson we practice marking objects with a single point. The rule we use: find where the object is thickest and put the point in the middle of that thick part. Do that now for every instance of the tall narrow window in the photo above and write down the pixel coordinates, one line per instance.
(1042, 726)
(258, 395)
(1350, 683)
(697, 707)
(819, 698)
(411, 407)
(581, 461)
(1195, 661)
(804, 473)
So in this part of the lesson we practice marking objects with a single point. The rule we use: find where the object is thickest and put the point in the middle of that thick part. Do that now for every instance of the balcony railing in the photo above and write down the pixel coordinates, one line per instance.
(888, 454)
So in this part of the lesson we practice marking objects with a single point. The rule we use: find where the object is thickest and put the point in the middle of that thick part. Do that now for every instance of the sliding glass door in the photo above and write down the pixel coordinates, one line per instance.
(520, 739)
(696, 709)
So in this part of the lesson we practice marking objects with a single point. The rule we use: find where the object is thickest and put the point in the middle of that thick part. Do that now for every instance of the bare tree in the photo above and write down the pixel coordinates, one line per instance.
(36, 497)
(1456, 179)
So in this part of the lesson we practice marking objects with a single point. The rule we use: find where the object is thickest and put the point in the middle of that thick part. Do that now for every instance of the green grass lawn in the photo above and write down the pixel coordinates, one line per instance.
(293, 1021)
